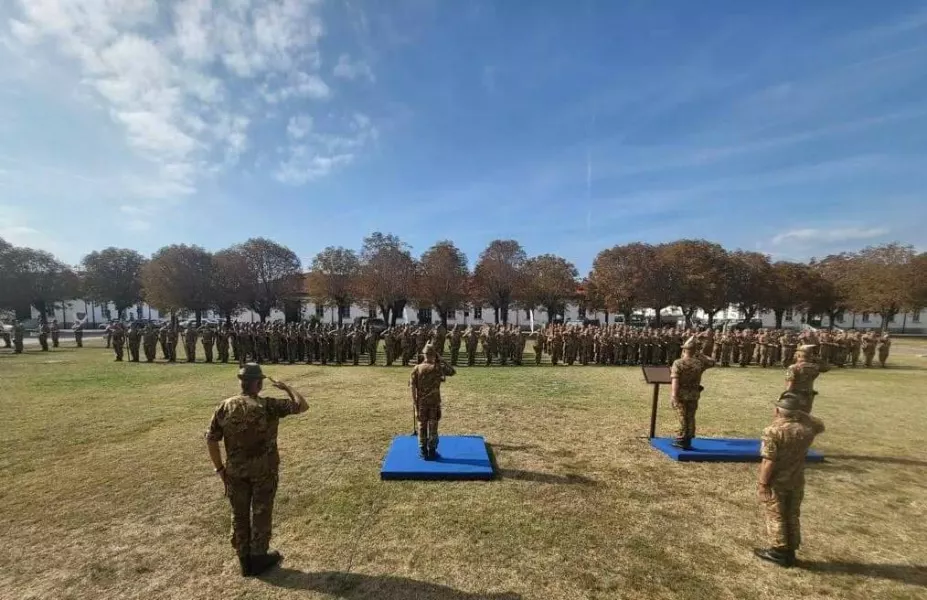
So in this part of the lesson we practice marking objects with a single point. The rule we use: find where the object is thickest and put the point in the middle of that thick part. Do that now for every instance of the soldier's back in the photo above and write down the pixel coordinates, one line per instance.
(786, 442)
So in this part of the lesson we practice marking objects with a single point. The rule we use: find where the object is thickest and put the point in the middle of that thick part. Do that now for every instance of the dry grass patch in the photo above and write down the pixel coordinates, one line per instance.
(109, 493)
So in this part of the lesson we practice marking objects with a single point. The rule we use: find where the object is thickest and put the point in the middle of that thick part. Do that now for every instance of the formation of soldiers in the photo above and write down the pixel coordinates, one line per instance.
(496, 344)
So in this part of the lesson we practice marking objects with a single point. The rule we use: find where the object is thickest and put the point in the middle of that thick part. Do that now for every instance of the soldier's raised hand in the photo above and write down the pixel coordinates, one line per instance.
(277, 384)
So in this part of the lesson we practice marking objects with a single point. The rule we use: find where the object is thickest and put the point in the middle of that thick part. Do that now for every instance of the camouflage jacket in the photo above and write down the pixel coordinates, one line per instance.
(248, 425)
(786, 443)
(426, 381)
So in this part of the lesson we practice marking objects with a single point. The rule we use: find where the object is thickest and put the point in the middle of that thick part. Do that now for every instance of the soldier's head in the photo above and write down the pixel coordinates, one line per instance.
(803, 352)
(688, 348)
(430, 353)
(789, 404)
(252, 378)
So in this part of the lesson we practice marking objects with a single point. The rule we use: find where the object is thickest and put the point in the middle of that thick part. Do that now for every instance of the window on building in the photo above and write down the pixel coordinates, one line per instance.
(451, 315)
(839, 317)
(916, 317)
(527, 313)
(865, 317)
(424, 315)
(478, 312)
(788, 315)
(319, 311)
(466, 313)
(892, 320)
(372, 313)
(344, 312)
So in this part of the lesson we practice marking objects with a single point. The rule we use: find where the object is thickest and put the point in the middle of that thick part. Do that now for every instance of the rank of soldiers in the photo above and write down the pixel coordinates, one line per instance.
(487, 345)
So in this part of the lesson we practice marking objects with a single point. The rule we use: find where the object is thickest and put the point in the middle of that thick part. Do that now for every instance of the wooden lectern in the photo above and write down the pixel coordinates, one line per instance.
(656, 376)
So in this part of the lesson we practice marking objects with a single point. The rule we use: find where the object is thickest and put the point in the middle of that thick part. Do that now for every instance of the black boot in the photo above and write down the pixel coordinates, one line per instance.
(685, 444)
(262, 563)
(423, 452)
(783, 558)
(245, 562)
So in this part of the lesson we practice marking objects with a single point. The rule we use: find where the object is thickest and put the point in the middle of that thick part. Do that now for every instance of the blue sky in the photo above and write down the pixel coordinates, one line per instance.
(793, 128)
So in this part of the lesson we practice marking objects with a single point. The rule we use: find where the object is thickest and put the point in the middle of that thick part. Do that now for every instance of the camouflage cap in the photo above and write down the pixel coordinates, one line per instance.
(250, 372)
(789, 401)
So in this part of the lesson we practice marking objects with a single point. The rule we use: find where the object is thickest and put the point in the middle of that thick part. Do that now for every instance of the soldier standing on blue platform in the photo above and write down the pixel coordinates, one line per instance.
(686, 376)
(247, 423)
(426, 382)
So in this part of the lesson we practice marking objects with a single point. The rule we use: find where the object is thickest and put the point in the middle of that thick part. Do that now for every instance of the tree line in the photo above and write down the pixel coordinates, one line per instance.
(261, 275)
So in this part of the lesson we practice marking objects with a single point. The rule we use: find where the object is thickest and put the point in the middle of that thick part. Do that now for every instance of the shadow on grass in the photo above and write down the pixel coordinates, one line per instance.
(354, 586)
(910, 574)
(885, 460)
(535, 476)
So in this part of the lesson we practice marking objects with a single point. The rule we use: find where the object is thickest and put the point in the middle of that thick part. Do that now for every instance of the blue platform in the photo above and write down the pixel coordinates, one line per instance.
(459, 457)
(719, 450)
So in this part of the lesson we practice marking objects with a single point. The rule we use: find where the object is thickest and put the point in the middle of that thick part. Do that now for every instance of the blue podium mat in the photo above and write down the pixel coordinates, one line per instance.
(459, 457)
(719, 450)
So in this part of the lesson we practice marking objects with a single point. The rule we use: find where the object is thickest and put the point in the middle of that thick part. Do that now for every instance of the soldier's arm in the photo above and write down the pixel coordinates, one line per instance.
(768, 453)
(674, 383)
(448, 369)
(817, 425)
(214, 436)
(296, 403)
(708, 361)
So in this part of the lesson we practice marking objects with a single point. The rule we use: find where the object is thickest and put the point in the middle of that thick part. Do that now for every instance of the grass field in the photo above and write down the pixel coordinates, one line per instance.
(108, 491)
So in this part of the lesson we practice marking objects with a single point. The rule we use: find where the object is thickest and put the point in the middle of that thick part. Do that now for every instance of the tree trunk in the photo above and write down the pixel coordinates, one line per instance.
(657, 317)
(831, 317)
(688, 314)
(340, 320)
(711, 320)
(505, 313)
(495, 314)
(198, 315)
(779, 312)
(886, 318)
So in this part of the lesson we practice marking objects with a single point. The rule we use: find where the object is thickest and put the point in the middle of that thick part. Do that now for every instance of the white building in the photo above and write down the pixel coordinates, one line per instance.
(911, 322)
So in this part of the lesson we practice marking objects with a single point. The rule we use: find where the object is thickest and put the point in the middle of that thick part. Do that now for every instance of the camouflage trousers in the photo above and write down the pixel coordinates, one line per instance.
(782, 513)
(428, 417)
(54, 337)
(883, 356)
(685, 413)
(252, 501)
(78, 339)
(868, 358)
(118, 349)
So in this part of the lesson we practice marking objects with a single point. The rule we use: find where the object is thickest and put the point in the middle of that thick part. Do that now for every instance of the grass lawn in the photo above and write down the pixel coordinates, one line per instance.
(108, 491)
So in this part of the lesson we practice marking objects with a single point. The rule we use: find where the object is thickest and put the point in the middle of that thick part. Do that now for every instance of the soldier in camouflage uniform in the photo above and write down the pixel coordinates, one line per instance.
(78, 330)
(472, 339)
(799, 377)
(55, 332)
(425, 382)
(885, 344)
(686, 376)
(150, 342)
(134, 339)
(222, 343)
(43, 336)
(208, 338)
(372, 340)
(119, 340)
(781, 485)
(869, 342)
(189, 342)
(247, 423)
(18, 333)
(455, 340)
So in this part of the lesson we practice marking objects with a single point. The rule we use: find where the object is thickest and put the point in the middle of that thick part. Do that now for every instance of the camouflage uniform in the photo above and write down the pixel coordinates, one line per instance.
(248, 426)
(372, 341)
(18, 333)
(785, 443)
(688, 371)
(208, 338)
(456, 338)
(425, 382)
(189, 341)
(55, 332)
(119, 340)
(134, 338)
(885, 344)
(79, 334)
(150, 342)
(43, 336)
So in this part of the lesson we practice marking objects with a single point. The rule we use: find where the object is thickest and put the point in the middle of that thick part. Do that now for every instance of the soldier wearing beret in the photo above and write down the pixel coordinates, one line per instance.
(686, 377)
(425, 382)
(781, 485)
(247, 423)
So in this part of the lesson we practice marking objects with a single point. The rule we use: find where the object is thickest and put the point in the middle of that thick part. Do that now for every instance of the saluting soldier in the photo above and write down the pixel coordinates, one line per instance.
(119, 340)
(799, 377)
(78, 330)
(43, 336)
(885, 344)
(55, 332)
(456, 339)
(18, 333)
(686, 376)
(425, 382)
(150, 342)
(208, 337)
(247, 424)
(781, 485)
(189, 341)
(134, 339)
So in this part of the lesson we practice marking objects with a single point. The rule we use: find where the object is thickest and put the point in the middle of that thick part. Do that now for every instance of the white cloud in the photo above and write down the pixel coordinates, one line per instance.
(171, 75)
(299, 127)
(346, 69)
(830, 236)
(314, 154)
